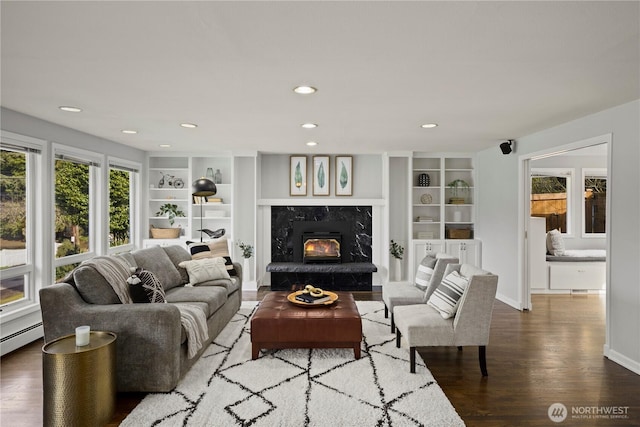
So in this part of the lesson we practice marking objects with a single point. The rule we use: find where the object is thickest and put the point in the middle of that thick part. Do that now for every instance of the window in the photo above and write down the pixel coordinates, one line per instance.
(595, 202)
(75, 214)
(551, 197)
(122, 189)
(18, 169)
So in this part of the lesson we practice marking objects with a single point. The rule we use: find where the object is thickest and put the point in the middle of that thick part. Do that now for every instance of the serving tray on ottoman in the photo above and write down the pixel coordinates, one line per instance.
(277, 323)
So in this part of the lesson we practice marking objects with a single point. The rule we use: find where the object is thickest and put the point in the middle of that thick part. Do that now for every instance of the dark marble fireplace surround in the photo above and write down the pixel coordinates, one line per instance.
(353, 222)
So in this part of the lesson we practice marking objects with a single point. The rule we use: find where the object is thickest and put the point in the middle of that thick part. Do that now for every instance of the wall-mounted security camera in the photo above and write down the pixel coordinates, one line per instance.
(508, 146)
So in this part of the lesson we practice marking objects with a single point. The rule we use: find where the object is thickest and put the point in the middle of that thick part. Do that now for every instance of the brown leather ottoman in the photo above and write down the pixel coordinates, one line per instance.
(278, 323)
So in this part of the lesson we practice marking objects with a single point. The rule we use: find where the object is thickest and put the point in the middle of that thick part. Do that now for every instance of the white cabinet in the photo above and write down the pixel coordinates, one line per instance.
(467, 251)
(169, 183)
(423, 247)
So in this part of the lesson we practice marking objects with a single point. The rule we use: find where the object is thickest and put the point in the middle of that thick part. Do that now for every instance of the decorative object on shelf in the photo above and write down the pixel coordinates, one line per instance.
(298, 176)
(424, 180)
(459, 233)
(217, 177)
(171, 181)
(213, 234)
(210, 175)
(459, 188)
(321, 175)
(344, 175)
(171, 210)
(426, 199)
(203, 188)
(457, 216)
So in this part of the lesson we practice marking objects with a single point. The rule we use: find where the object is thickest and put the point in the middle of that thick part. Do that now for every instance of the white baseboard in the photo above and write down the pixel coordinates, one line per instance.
(21, 339)
(622, 360)
(513, 303)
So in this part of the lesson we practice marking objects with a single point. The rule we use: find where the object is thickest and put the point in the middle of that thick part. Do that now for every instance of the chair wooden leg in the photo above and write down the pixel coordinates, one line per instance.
(412, 360)
(482, 353)
(459, 348)
(393, 324)
(386, 312)
(397, 338)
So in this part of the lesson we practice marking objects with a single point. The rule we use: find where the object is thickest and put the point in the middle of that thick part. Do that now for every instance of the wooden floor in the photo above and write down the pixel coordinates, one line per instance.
(550, 354)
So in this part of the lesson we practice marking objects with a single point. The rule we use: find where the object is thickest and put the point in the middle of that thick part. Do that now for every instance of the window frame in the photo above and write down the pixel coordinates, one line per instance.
(36, 153)
(600, 173)
(568, 174)
(96, 190)
(134, 197)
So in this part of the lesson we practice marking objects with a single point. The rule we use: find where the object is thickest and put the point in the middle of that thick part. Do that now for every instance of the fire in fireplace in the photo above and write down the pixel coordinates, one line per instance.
(321, 247)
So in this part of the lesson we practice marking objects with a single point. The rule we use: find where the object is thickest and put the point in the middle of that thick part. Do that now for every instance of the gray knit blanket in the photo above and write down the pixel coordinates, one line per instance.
(192, 316)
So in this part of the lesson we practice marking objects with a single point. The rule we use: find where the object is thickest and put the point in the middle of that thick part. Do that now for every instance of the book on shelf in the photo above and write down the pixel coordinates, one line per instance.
(310, 299)
(214, 200)
(425, 219)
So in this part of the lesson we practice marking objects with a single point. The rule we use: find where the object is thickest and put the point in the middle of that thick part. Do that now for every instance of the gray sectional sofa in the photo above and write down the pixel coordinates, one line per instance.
(151, 344)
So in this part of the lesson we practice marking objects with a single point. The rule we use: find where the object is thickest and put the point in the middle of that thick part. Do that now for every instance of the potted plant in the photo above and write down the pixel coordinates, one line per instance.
(247, 252)
(459, 188)
(171, 210)
(397, 251)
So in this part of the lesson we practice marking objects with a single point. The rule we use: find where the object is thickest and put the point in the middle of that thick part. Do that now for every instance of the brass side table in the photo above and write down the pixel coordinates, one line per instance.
(79, 382)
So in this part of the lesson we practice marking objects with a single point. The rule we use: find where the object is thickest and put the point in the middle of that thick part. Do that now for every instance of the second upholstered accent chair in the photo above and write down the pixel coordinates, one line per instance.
(428, 276)
(458, 313)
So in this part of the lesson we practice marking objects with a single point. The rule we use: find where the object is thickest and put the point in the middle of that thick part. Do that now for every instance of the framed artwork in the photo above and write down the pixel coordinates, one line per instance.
(344, 175)
(298, 175)
(320, 175)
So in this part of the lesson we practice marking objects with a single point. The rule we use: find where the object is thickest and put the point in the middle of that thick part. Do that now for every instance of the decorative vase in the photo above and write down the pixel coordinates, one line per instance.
(424, 180)
(246, 269)
(210, 174)
(217, 178)
(397, 269)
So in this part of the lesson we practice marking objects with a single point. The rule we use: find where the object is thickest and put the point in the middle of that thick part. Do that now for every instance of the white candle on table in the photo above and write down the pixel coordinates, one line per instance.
(82, 335)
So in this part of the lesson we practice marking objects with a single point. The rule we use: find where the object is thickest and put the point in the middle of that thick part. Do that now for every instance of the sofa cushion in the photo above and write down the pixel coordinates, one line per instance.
(555, 243)
(177, 254)
(156, 259)
(144, 287)
(231, 284)
(447, 295)
(213, 296)
(202, 270)
(424, 272)
(213, 249)
(93, 287)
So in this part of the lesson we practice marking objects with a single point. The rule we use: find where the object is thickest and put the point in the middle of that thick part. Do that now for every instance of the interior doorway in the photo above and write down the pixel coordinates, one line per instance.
(573, 218)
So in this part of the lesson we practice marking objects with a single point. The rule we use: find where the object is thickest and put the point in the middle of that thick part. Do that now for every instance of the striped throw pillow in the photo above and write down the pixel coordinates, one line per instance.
(213, 249)
(425, 271)
(447, 295)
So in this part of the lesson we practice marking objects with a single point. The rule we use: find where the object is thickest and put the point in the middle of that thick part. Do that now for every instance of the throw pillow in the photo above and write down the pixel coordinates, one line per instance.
(145, 287)
(213, 249)
(202, 270)
(555, 243)
(447, 295)
(425, 271)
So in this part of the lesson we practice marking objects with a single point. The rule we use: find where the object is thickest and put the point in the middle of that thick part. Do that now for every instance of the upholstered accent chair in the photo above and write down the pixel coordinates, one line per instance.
(423, 325)
(407, 293)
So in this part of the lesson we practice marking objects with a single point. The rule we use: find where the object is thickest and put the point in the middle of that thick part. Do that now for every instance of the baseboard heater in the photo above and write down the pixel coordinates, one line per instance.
(21, 338)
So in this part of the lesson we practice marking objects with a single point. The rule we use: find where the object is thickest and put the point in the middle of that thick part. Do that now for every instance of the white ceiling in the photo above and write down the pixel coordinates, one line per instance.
(484, 71)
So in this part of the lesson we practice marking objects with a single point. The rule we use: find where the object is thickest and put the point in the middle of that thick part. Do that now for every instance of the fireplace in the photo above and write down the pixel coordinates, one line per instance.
(321, 247)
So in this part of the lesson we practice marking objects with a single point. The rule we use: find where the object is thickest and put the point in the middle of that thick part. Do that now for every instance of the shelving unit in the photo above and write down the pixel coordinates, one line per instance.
(167, 170)
(443, 217)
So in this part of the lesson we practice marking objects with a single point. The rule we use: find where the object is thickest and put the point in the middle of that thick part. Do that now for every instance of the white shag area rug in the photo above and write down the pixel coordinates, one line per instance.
(300, 387)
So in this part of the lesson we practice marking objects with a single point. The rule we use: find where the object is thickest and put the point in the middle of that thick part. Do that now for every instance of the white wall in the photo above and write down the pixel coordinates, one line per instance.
(497, 224)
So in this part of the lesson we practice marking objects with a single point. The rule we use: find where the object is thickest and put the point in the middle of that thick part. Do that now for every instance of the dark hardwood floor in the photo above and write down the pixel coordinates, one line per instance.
(550, 354)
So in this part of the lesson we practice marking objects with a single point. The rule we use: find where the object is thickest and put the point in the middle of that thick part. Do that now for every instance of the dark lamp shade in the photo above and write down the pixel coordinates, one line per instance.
(204, 187)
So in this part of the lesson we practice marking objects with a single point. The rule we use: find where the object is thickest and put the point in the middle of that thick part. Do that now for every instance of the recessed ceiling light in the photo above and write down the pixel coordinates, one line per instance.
(129, 131)
(312, 143)
(309, 125)
(164, 145)
(429, 125)
(188, 125)
(70, 109)
(304, 90)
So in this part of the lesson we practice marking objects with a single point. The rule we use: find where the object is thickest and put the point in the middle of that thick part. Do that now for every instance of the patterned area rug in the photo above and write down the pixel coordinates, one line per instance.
(301, 387)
